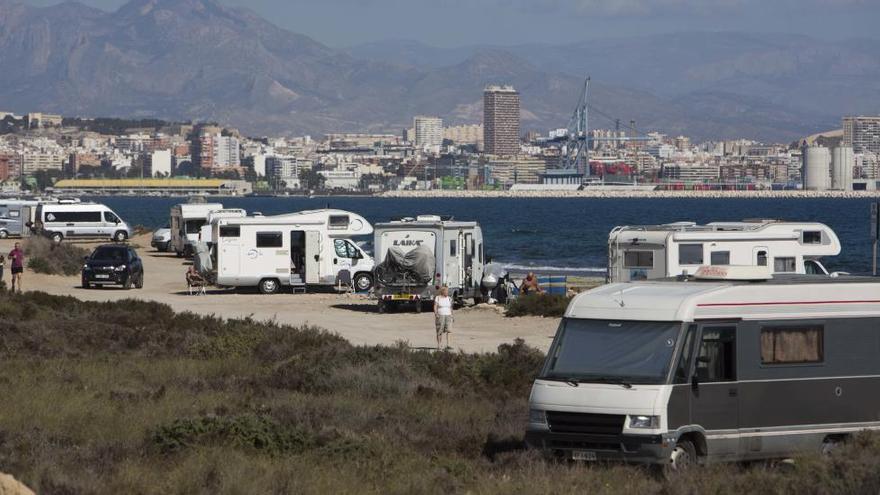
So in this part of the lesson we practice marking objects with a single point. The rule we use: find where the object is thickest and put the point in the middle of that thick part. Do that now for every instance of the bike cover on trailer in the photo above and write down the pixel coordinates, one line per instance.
(415, 267)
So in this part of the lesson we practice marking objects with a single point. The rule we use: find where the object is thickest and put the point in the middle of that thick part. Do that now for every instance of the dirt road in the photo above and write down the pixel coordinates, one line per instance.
(479, 329)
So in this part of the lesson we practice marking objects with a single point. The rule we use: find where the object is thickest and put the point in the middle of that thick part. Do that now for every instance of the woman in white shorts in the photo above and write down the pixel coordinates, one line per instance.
(443, 315)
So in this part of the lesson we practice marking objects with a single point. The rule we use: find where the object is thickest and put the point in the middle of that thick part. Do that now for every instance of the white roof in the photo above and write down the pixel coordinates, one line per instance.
(802, 297)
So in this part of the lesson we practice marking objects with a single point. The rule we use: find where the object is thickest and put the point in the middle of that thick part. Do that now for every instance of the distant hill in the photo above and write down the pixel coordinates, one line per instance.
(198, 59)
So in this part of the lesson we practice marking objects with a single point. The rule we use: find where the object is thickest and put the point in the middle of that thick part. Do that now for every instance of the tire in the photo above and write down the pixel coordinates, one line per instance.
(179, 254)
(269, 286)
(139, 283)
(127, 284)
(419, 306)
(683, 457)
(363, 282)
(382, 307)
(85, 284)
(56, 237)
(120, 236)
(4, 234)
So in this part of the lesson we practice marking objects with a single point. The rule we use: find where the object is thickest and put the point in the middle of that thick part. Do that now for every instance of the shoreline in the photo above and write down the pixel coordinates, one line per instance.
(619, 194)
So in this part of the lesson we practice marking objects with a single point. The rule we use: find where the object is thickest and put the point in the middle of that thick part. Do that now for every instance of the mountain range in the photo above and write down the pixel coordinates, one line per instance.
(201, 60)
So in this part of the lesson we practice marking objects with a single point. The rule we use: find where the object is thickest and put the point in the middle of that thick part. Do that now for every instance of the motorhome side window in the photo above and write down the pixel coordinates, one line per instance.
(228, 231)
(452, 247)
(73, 216)
(638, 259)
(784, 265)
(690, 254)
(193, 226)
(720, 258)
(792, 345)
(14, 213)
(338, 222)
(762, 258)
(716, 361)
(269, 240)
(812, 237)
(685, 357)
(344, 249)
(110, 217)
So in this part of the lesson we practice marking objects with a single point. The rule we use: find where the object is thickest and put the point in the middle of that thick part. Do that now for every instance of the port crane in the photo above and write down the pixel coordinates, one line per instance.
(577, 142)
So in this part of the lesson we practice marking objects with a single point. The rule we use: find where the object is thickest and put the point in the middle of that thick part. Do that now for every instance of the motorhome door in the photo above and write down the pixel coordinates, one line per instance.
(715, 399)
(229, 251)
(313, 257)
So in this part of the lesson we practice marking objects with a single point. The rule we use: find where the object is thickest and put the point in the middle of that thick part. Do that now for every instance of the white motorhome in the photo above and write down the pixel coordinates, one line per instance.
(296, 249)
(206, 233)
(679, 372)
(186, 222)
(15, 215)
(76, 220)
(458, 262)
(660, 251)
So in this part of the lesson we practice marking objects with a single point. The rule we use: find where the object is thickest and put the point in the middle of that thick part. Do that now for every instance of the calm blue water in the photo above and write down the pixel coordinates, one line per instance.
(563, 233)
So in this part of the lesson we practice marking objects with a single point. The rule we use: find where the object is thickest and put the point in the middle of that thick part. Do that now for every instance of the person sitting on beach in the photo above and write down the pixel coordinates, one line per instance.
(530, 284)
(194, 278)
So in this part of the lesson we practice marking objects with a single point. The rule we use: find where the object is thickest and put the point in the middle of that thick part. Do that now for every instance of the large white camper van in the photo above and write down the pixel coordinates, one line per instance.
(419, 255)
(297, 249)
(660, 251)
(186, 222)
(678, 372)
(76, 220)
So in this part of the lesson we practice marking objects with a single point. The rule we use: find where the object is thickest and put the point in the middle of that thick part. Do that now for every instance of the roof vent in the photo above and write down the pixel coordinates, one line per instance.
(429, 218)
(733, 272)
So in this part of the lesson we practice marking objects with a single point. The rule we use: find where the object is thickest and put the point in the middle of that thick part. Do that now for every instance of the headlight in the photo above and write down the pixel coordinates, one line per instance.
(651, 422)
(538, 416)
(120, 268)
(86, 267)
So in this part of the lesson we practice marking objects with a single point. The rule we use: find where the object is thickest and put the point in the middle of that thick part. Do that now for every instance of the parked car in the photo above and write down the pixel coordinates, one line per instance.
(113, 264)
(162, 239)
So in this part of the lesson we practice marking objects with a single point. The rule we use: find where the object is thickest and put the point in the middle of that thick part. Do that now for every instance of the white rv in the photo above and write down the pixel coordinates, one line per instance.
(297, 249)
(660, 251)
(453, 249)
(76, 220)
(681, 372)
(206, 233)
(186, 222)
(15, 215)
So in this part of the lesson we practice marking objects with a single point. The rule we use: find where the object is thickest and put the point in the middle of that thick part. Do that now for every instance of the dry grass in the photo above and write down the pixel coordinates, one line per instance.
(44, 256)
(130, 397)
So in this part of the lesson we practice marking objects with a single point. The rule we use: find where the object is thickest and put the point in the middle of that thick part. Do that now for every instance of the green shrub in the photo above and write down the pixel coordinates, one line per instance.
(256, 432)
(44, 256)
(538, 305)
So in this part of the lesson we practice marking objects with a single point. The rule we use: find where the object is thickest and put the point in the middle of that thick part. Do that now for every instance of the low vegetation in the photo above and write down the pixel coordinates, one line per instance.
(44, 256)
(549, 305)
(130, 397)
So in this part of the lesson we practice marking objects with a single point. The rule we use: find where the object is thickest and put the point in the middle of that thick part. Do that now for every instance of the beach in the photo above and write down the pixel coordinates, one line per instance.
(353, 316)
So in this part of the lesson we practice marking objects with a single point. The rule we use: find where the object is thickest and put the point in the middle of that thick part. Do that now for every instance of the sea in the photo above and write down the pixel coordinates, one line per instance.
(564, 235)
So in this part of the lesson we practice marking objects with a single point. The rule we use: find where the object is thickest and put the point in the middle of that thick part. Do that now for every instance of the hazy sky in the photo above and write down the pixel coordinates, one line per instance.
(507, 22)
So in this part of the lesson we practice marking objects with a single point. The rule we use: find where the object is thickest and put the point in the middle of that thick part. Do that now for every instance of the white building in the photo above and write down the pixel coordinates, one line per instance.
(158, 163)
(226, 152)
(429, 133)
(341, 179)
(284, 169)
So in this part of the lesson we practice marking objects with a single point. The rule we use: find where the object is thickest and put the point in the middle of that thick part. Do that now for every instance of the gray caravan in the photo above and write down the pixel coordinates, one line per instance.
(718, 369)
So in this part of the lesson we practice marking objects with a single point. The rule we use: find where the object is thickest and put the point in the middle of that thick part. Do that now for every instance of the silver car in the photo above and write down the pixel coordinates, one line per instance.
(162, 240)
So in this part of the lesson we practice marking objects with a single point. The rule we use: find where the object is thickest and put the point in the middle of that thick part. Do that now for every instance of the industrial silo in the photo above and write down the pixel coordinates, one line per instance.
(816, 168)
(843, 161)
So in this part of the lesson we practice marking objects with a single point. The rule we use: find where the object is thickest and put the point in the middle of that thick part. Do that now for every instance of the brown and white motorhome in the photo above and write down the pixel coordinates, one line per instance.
(737, 366)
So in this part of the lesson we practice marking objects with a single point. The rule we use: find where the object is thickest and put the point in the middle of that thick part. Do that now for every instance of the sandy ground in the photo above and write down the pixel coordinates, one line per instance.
(477, 329)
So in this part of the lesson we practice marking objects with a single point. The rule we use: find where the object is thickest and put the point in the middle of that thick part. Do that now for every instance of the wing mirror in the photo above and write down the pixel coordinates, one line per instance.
(695, 383)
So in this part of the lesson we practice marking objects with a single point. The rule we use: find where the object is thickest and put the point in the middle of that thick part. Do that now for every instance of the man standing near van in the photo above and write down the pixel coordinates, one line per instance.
(443, 315)
(16, 264)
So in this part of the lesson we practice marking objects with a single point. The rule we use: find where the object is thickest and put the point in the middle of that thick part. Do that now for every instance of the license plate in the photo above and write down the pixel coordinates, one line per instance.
(101, 275)
(583, 455)
(401, 297)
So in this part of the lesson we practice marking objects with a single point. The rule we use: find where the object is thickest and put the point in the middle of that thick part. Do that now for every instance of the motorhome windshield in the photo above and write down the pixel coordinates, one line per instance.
(612, 351)
(193, 226)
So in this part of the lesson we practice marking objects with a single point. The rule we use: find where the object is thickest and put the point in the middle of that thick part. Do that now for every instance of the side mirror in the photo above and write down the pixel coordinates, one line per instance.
(85, 258)
(695, 383)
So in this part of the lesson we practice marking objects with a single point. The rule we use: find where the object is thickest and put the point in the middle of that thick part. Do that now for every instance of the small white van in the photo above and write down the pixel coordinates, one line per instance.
(186, 222)
(308, 248)
(733, 367)
(63, 220)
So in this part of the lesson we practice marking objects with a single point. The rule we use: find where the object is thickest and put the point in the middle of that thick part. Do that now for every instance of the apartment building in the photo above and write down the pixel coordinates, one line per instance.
(501, 120)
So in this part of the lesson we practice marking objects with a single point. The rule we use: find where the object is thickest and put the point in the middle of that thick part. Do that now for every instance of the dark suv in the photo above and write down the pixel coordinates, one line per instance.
(113, 264)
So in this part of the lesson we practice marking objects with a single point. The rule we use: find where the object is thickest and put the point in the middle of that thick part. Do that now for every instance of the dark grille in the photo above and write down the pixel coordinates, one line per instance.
(584, 423)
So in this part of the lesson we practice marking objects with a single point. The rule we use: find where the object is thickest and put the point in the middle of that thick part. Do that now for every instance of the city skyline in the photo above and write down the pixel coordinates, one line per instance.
(344, 23)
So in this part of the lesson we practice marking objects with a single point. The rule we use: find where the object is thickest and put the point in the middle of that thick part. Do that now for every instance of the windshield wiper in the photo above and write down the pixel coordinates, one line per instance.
(608, 379)
(571, 381)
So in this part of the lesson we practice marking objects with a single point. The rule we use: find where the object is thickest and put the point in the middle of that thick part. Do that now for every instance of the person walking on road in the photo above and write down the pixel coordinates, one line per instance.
(16, 264)
(443, 315)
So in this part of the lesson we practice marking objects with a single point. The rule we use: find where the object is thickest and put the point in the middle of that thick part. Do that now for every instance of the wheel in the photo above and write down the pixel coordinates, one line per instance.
(139, 283)
(269, 286)
(382, 307)
(85, 284)
(120, 236)
(683, 456)
(419, 306)
(178, 253)
(4, 234)
(57, 237)
(127, 284)
(363, 282)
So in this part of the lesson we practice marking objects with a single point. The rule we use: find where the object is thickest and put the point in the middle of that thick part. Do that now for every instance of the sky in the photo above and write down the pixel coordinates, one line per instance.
(451, 23)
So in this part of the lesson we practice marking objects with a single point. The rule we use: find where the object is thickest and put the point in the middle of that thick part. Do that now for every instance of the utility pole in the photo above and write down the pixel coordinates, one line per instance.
(875, 235)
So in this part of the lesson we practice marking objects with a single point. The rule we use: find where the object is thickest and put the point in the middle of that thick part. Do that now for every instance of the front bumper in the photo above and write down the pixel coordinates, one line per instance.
(105, 278)
(637, 449)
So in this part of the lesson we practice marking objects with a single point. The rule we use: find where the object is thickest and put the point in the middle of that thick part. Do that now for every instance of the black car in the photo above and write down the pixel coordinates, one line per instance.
(113, 264)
